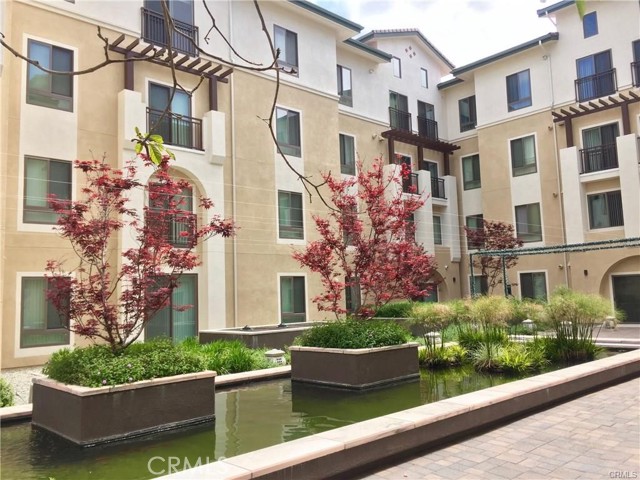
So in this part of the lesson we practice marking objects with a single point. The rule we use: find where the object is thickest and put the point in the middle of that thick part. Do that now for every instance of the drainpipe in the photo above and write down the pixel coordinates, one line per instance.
(565, 255)
(234, 240)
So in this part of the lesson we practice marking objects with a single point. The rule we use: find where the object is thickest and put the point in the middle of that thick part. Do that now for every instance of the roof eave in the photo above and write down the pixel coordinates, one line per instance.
(555, 7)
(323, 12)
(370, 51)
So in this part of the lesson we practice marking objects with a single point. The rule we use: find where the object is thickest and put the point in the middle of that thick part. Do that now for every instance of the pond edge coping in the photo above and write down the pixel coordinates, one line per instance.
(364, 444)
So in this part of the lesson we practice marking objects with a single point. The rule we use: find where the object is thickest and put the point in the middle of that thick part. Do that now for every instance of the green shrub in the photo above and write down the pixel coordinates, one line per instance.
(490, 310)
(440, 356)
(6, 393)
(395, 310)
(471, 336)
(524, 309)
(486, 357)
(353, 333)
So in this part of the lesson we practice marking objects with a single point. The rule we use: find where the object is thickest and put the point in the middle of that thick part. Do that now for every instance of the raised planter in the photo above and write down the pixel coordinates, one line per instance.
(89, 416)
(357, 368)
(265, 336)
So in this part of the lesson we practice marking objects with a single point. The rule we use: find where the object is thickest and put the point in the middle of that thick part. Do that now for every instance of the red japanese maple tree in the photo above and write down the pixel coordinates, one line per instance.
(367, 242)
(111, 294)
(493, 235)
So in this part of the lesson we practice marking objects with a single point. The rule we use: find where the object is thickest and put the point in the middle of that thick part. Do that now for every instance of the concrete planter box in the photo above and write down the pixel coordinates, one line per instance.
(88, 416)
(357, 368)
(266, 336)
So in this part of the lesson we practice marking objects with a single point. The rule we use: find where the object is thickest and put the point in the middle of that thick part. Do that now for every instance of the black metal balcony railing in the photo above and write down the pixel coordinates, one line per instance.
(178, 229)
(399, 119)
(595, 86)
(437, 187)
(427, 128)
(635, 73)
(177, 130)
(595, 159)
(410, 184)
(185, 36)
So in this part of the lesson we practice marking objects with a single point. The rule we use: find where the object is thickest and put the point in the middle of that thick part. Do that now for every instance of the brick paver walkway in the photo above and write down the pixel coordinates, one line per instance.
(596, 436)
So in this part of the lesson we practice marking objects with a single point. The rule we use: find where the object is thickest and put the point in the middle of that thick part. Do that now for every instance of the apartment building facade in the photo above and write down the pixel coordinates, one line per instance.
(520, 137)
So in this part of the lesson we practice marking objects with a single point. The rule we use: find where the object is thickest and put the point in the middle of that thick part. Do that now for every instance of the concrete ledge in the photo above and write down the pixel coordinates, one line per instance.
(16, 413)
(344, 450)
(233, 379)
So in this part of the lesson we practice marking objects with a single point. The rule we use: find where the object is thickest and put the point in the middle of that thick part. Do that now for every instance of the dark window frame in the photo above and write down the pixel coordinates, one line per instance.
(396, 61)
(437, 233)
(470, 123)
(293, 149)
(294, 228)
(345, 98)
(48, 309)
(531, 234)
(288, 65)
(476, 180)
(589, 27)
(529, 282)
(523, 168)
(32, 209)
(610, 197)
(517, 99)
(424, 78)
(297, 315)
(39, 97)
(479, 225)
(347, 166)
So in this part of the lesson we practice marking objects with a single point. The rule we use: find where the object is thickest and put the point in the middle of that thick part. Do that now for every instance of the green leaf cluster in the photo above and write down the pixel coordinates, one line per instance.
(6, 393)
(353, 333)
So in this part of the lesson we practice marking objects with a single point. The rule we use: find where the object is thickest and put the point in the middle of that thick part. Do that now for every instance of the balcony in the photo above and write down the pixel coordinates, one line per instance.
(178, 229)
(185, 36)
(410, 184)
(427, 128)
(596, 159)
(635, 73)
(177, 130)
(399, 119)
(596, 86)
(437, 187)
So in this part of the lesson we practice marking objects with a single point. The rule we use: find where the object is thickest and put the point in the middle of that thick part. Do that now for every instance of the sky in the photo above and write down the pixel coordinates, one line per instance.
(463, 30)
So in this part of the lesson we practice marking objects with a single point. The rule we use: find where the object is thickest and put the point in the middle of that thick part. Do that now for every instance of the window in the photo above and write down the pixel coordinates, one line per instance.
(292, 300)
(184, 37)
(344, 86)
(46, 89)
(399, 116)
(287, 43)
(471, 172)
(590, 24)
(410, 229)
(290, 224)
(41, 324)
(518, 90)
(635, 65)
(424, 78)
(44, 177)
(397, 68)
(475, 223)
(288, 132)
(480, 285)
(172, 217)
(437, 230)
(467, 111)
(605, 210)
(175, 321)
(523, 156)
(347, 155)
(533, 285)
(176, 127)
(427, 125)
(352, 295)
(350, 226)
(528, 224)
(596, 76)
(600, 151)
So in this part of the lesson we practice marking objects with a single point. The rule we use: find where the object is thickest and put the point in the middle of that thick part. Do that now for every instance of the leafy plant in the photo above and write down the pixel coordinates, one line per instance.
(6, 393)
(400, 309)
(441, 356)
(353, 333)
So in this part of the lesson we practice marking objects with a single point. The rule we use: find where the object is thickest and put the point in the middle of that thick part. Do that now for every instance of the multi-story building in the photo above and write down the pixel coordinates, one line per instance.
(542, 136)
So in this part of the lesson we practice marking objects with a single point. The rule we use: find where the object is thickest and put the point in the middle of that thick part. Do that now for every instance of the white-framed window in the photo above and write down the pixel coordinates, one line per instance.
(424, 78)
(528, 222)
(352, 295)
(345, 89)
(293, 299)
(467, 113)
(347, 154)
(171, 117)
(397, 67)
(288, 131)
(287, 42)
(177, 228)
(471, 172)
(290, 215)
(437, 230)
(518, 90)
(474, 223)
(605, 210)
(46, 89)
(172, 321)
(523, 156)
(533, 285)
(40, 322)
(44, 177)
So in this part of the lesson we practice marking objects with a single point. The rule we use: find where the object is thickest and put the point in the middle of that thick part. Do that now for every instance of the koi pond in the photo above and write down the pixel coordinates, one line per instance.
(247, 418)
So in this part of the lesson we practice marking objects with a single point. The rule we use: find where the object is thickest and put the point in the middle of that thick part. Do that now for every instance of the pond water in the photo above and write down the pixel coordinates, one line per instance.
(247, 419)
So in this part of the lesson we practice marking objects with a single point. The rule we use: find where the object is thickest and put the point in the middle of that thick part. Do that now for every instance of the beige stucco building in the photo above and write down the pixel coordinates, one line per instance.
(543, 136)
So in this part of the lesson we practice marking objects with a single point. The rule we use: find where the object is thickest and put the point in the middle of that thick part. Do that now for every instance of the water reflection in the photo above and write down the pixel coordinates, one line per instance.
(247, 419)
